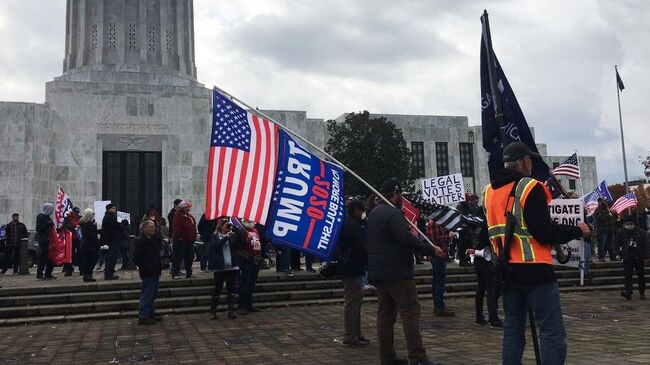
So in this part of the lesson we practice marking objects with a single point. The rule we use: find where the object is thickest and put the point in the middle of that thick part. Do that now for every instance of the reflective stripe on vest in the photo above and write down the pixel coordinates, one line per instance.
(529, 250)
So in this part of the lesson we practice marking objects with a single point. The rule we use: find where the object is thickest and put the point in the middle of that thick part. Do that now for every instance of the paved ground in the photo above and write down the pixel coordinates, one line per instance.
(602, 328)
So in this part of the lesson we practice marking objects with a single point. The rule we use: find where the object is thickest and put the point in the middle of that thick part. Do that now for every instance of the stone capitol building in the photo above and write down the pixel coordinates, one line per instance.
(128, 120)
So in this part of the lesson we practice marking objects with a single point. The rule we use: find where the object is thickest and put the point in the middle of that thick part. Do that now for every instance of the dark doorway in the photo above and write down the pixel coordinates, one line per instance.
(133, 182)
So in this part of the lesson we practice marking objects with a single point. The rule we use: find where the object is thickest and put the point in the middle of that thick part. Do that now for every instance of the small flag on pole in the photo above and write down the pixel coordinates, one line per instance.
(626, 201)
(449, 218)
(619, 81)
(568, 168)
(242, 162)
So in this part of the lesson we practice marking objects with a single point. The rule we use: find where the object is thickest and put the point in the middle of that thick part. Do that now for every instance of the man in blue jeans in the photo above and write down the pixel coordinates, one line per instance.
(146, 254)
(529, 281)
(441, 237)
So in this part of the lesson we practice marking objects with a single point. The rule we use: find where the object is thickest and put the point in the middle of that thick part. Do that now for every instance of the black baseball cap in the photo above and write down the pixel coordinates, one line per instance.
(516, 151)
(390, 186)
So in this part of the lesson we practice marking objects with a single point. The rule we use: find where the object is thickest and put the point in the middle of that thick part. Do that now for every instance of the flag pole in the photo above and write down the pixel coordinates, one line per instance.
(492, 73)
(320, 150)
(582, 188)
(620, 119)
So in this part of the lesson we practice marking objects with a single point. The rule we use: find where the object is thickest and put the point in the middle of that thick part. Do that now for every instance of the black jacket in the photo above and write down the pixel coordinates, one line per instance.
(391, 246)
(43, 225)
(352, 248)
(206, 228)
(89, 240)
(541, 227)
(112, 232)
(216, 260)
(622, 243)
(146, 254)
(20, 234)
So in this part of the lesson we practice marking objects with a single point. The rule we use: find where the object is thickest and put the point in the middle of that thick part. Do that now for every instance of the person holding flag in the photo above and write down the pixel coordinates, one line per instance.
(390, 270)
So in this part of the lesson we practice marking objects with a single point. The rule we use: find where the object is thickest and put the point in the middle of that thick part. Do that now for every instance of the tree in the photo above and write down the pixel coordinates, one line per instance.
(374, 148)
(617, 191)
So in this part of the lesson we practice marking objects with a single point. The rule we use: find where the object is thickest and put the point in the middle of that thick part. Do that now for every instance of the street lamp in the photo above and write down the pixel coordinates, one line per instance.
(470, 139)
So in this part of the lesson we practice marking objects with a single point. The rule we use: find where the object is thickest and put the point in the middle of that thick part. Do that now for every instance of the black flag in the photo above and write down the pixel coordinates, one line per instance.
(619, 81)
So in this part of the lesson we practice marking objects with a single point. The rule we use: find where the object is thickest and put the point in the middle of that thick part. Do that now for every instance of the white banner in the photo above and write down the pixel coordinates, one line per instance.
(569, 211)
(100, 209)
(446, 189)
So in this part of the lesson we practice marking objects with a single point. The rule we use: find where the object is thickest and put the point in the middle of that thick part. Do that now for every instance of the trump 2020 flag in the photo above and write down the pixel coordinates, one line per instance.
(60, 251)
(603, 191)
(516, 127)
(242, 162)
(308, 203)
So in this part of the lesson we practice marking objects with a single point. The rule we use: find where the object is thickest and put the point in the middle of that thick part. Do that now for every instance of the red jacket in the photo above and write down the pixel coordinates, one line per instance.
(252, 248)
(184, 228)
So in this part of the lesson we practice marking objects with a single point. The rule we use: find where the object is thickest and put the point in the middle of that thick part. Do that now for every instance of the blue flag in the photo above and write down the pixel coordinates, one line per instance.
(516, 128)
(308, 203)
(603, 191)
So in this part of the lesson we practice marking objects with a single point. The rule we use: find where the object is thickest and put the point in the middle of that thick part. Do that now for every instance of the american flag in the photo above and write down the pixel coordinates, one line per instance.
(626, 201)
(568, 168)
(242, 162)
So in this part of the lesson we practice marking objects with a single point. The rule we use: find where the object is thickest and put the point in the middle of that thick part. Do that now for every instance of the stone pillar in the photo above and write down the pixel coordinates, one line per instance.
(24, 255)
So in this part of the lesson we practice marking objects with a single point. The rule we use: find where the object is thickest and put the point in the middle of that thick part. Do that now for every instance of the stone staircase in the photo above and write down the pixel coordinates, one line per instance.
(104, 300)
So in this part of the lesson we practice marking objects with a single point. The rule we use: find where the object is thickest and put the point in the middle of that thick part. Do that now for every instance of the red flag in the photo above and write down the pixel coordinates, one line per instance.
(411, 213)
(60, 247)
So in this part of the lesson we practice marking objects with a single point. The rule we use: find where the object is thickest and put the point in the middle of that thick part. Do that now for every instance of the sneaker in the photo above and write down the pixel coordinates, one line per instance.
(444, 312)
(190, 276)
(213, 316)
(368, 286)
(290, 273)
(50, 277)
(39, 277)
(115, 277)
(176, 277)
(496, 324)
(88, 279)
(626, 295)
(99, 268)
(147, 321)
(311, 270)
(480, 321)
(3, 272)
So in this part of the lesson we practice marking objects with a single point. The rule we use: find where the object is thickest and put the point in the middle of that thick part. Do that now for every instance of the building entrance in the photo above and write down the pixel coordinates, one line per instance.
(132, 180)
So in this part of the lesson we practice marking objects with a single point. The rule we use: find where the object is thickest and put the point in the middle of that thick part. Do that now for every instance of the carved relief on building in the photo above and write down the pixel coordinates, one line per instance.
(133, 127)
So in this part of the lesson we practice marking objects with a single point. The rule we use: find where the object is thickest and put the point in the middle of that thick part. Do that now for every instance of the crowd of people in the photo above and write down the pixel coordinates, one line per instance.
(376, 249)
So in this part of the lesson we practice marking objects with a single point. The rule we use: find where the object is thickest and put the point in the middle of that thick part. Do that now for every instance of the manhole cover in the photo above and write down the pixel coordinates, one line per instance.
(241, 340)
(620, 308)
(132, 342)
(17, 359)
(328, 327)
(134, 359)
(428, 325)
(581, 316)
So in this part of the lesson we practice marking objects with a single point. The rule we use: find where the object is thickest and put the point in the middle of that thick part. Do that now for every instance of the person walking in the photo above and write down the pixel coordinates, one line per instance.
(183, 237)
(530, 281)
(89, 246)
(353, 261)
(391, 247)
(44, 227)
(146, 255)
(112, 237)
(15, 231)
(631, 245)
(223, 261)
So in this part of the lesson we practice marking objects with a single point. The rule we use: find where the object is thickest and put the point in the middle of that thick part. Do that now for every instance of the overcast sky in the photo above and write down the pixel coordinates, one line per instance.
(407, 57)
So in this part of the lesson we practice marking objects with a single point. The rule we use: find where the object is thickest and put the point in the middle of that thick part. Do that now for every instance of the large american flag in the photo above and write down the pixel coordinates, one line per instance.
(626, 201)
(242, 162)
(568, 168)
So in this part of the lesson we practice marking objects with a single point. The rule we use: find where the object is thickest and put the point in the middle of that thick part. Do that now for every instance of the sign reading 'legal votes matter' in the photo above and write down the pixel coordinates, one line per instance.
(446, 189)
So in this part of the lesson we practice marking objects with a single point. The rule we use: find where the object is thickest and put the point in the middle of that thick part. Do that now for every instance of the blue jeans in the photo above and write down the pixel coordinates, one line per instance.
(544, 300)
(148, 294)
(439, 280)
(605, 245)
(111, 259)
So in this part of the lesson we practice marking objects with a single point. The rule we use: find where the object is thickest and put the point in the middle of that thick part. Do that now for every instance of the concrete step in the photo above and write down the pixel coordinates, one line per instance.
(35, 319)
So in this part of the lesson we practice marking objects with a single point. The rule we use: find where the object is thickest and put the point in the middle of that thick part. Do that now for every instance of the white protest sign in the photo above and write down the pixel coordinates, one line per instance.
(99, 206)
(569, 211)
(446, 189)
(122, 216)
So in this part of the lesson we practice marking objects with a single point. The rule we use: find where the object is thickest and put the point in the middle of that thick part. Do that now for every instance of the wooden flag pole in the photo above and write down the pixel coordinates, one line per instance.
(321, 151)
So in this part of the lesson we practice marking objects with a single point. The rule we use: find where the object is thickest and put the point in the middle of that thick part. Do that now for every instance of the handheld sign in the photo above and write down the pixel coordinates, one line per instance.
(308, 203)
(446, 189)
(569, 211)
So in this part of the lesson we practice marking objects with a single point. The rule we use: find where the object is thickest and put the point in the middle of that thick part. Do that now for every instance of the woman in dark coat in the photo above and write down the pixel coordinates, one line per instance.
(223, 260)
(89, 248)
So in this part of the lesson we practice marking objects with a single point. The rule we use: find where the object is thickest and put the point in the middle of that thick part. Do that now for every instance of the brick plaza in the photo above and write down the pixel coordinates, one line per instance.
(602, 328)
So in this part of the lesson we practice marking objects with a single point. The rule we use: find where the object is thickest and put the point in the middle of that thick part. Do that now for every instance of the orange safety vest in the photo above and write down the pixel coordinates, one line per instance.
(524, 249)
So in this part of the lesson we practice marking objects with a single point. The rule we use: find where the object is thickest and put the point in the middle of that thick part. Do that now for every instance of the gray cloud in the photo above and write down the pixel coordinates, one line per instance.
(417, 57)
